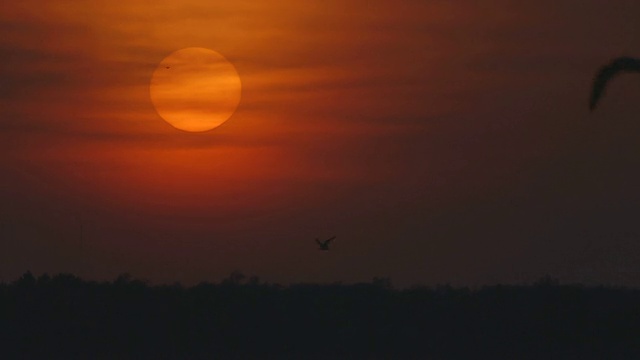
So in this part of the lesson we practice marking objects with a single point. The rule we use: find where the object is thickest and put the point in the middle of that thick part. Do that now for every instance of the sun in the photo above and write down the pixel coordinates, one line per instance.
(195, 89)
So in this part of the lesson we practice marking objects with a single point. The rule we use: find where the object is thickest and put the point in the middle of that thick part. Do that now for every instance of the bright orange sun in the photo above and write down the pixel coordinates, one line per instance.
(195, 89)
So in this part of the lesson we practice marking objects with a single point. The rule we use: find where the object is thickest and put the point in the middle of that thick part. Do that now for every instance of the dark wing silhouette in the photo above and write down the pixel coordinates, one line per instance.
(329, 240)
(319, 242)
(607, 72)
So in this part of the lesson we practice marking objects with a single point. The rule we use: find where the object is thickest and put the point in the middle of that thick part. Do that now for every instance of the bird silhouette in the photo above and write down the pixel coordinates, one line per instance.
(607, 72)
(324, 245)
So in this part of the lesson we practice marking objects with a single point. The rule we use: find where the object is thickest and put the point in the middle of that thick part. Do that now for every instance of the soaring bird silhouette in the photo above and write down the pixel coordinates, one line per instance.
(607, 72)
(324, 245)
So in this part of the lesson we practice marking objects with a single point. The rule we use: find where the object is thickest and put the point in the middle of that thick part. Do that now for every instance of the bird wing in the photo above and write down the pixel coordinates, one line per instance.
(607, 72)
(329, 240)
(319, 242)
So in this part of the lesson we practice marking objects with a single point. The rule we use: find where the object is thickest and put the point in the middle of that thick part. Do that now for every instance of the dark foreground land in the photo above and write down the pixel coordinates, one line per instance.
(63, 317)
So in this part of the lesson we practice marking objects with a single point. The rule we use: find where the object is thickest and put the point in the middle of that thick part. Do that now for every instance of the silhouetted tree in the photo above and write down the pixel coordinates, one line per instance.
(235, 278)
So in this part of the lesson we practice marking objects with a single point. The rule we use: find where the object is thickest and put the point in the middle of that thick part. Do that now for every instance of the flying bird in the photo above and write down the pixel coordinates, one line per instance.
(607, 72)
(324, 245)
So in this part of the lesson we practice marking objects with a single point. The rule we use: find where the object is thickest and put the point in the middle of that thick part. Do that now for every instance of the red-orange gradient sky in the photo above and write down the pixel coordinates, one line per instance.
(441, 141)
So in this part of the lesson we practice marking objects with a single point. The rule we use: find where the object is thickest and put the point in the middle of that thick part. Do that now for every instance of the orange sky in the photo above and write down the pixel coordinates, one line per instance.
(410, 129)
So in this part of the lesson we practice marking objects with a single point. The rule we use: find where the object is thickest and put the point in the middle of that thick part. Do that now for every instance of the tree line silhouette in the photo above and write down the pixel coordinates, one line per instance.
(65, 317)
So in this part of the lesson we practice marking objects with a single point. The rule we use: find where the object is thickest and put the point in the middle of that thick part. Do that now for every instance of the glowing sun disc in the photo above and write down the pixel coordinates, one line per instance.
(195, 89)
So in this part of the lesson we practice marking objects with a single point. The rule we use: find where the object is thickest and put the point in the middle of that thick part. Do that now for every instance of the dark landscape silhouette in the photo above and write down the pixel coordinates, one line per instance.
(64, 317)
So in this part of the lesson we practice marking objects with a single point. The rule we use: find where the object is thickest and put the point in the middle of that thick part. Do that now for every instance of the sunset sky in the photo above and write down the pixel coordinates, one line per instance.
(441, 141)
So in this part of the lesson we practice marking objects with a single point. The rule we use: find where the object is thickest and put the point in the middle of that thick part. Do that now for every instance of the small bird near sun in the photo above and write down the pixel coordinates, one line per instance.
(195, 89)
(324, 245)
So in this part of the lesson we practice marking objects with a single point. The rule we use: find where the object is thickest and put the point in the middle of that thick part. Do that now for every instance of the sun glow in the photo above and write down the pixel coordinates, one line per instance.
(195, 89)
